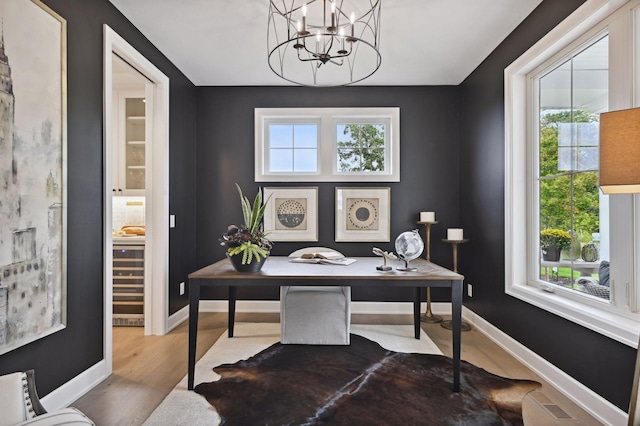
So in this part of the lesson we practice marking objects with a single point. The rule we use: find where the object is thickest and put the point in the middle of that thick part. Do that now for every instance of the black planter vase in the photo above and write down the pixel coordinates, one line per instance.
(254, 266)
(551, 254)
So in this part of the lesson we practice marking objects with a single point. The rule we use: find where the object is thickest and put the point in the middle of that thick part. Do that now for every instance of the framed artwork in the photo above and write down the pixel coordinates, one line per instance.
(362, 214)
(291, 214)
(32, 173)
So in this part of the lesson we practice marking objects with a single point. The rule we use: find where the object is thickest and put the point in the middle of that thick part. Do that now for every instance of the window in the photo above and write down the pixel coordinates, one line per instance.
(292, 147)
(570, 97)
(362, 146)
(327, 144)
(554, 94)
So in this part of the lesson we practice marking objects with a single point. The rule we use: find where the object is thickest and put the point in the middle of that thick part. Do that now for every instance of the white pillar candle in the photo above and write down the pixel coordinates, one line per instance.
(427, 216)
(454, 234)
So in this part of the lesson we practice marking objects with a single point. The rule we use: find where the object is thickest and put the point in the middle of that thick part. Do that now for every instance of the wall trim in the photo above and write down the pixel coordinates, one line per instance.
(177, 318)
(588, 400)
(156, 306)
(273, 306)
(69, 392)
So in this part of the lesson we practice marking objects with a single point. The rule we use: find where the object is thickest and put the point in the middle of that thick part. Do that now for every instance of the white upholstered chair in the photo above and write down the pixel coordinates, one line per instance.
(315, 315)
(20, 405)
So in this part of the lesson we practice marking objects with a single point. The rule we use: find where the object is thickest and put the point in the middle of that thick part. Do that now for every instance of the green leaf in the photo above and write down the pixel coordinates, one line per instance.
(255, 214)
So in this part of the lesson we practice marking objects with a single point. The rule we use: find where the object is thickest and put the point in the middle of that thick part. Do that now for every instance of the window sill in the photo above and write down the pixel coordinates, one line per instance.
(617, 327)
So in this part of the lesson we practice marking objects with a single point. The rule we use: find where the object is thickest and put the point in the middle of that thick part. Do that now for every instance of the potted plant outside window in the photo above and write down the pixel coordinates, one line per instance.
(552, 242)
(248, 245)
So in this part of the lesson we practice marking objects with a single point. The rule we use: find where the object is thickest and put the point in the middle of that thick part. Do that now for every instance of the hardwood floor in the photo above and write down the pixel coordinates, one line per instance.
(146, 368)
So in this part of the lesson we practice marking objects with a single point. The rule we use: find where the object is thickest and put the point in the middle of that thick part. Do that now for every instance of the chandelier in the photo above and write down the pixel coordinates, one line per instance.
(324, 43)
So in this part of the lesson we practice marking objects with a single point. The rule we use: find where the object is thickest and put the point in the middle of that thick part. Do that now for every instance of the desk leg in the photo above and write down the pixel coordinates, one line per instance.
(416, 314)
(456, 316)
(232, 308)
(194, 304)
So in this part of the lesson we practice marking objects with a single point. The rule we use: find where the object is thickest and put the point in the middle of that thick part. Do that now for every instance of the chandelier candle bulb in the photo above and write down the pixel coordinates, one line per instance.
(353, 20)
(304, 18)
(455, 234)
(427, 216)
(333, 16)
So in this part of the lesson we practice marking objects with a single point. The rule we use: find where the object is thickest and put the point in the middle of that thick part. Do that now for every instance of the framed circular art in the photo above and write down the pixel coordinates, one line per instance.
(362, 214)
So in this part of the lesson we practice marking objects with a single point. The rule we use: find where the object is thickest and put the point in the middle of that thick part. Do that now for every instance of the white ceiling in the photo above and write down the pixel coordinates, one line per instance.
(422, 42)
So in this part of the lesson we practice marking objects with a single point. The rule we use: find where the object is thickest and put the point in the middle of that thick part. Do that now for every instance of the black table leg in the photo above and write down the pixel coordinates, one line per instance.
(232, 308)
(194, 304)
(416, 314)
(456, 316)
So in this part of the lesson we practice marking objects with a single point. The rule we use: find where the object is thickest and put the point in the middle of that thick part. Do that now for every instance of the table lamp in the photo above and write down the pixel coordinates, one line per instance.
(620, 151)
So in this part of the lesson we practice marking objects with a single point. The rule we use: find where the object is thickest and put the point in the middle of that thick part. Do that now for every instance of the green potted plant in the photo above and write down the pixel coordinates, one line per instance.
(248, 245)
(552, 242)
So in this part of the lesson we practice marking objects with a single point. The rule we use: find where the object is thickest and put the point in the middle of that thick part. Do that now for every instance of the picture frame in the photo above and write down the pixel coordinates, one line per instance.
(33, 174)
(291, 213)
(362, 214)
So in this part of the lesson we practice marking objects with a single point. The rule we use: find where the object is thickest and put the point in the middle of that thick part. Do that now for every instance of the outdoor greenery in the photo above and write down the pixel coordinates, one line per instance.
(558, 238)
(568, 201)
(363, 148)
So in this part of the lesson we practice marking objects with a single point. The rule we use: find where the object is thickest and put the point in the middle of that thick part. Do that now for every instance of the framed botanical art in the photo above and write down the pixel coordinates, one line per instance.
(362, 214)
(291, 214)
(32, 173)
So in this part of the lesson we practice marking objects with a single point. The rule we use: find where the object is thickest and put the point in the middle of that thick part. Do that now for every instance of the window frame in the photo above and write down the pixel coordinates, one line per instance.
(617, 319)
(327, 143)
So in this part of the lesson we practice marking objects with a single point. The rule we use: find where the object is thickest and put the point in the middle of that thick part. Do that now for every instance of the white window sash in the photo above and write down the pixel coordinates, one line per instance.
(615, 320)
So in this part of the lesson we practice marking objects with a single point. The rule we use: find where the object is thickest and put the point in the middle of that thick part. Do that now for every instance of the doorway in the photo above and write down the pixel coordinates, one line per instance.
(127, 71)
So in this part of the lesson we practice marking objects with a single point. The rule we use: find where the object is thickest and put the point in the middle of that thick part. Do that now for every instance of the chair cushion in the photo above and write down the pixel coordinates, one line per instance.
(14, 398)
(315, 315)
(67, 416)
(591, 286)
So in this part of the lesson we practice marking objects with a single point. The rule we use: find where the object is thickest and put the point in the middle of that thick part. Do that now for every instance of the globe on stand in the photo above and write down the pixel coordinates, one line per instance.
(409, 246)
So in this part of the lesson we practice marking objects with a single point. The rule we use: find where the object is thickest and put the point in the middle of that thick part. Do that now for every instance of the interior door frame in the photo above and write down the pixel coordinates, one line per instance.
(157, 194)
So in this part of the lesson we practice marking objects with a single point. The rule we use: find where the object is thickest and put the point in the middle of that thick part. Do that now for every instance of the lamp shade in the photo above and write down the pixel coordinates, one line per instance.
(620, 151)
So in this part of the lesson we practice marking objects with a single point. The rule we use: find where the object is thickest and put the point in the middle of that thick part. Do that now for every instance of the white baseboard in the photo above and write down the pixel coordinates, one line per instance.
(72, 390)
(591, 402)
(177, 318)
(273, 306)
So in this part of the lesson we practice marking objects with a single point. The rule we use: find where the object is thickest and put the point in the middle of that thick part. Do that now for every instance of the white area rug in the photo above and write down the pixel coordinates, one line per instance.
(184, 407)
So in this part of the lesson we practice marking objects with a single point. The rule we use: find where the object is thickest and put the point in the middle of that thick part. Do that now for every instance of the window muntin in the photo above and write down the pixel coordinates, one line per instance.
(571, 96)
(351, 144)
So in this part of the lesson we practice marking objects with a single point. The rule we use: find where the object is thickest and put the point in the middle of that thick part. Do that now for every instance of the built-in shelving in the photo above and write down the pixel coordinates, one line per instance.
(130, 150)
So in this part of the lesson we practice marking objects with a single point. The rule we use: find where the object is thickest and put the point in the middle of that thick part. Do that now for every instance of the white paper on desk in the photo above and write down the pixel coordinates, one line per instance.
(345, 261)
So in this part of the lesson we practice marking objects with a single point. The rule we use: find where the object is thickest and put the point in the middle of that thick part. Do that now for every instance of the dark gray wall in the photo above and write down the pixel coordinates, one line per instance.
(429, 128)
(441, 128)
(65, 354)
(600, 363)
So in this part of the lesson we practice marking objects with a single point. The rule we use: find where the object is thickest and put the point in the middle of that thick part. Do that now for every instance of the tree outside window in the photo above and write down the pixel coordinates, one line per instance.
(361, 147)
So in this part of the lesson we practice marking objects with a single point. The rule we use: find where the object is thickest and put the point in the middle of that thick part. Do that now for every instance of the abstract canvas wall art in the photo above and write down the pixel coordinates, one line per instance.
(32, 173)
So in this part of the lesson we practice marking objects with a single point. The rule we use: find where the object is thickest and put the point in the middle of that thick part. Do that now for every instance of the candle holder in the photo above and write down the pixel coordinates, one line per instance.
(448, 324)
(428, 316)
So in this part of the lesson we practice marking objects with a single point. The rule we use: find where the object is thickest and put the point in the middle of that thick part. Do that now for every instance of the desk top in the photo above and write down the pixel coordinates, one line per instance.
(280, 267)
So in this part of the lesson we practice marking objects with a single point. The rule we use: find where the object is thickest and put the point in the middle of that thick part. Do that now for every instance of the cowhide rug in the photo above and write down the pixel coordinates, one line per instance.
(360, 384)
